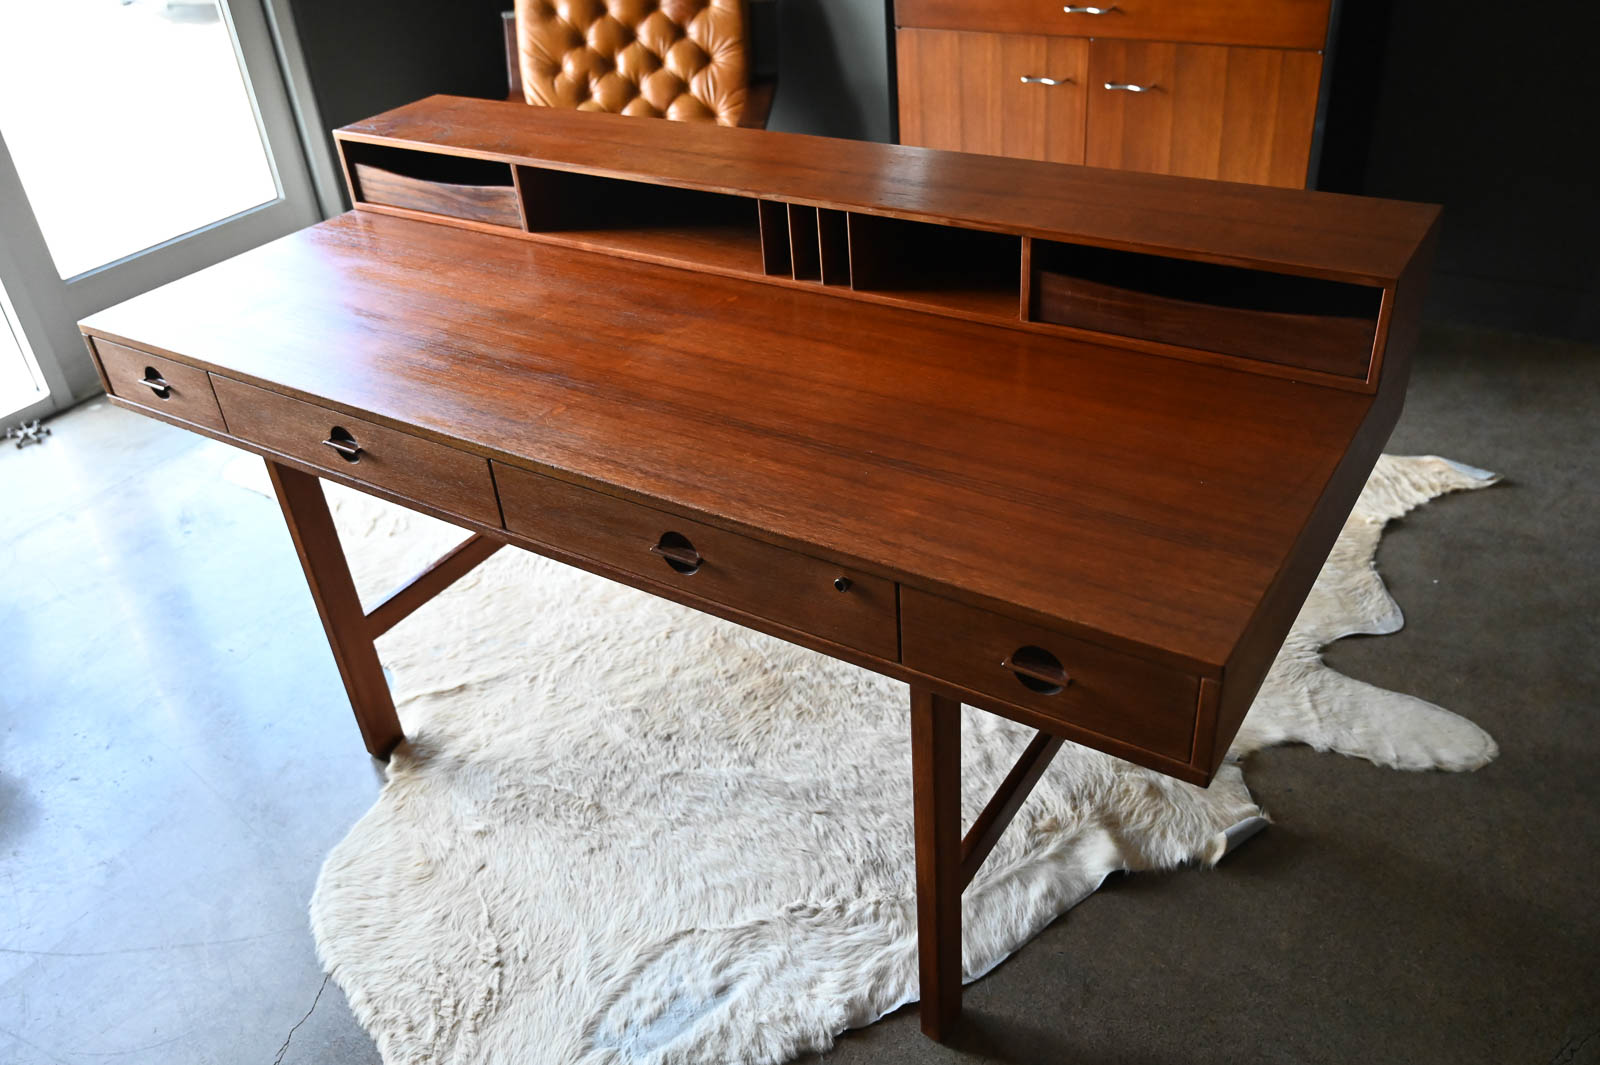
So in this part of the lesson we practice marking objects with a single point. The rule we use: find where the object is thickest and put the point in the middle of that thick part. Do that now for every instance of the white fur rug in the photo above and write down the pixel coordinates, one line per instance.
(624, 832)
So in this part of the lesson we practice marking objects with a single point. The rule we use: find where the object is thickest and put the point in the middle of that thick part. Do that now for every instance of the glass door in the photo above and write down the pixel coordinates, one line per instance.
(140, 140)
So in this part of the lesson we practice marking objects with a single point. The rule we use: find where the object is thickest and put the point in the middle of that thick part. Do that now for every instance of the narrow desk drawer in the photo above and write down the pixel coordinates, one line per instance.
(159, 384)
(1070, 680)
(1263, 23)
(801, 592)
(407, 465)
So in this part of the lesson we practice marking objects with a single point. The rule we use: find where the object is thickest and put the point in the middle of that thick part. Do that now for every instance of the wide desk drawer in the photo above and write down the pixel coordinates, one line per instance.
(1038, 669)
(1263, 23)
(409, 466)
(816, 597)
(159, 384)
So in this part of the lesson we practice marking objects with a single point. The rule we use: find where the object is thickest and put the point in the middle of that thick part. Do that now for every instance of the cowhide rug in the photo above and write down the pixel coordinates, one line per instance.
(626, 832)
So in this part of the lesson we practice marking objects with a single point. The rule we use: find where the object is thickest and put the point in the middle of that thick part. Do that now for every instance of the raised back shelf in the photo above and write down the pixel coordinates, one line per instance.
(1274, 281)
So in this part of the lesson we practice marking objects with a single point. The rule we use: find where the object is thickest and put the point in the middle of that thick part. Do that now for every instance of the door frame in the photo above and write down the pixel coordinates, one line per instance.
(48, 307)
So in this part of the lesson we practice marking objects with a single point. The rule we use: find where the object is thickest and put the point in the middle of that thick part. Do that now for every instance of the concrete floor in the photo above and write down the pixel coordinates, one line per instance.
(178, 757)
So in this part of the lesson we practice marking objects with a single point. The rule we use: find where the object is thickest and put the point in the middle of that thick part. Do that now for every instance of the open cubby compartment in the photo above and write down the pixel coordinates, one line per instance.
(451, 186)
(1305, 322)
(657, 223)
(970, 271)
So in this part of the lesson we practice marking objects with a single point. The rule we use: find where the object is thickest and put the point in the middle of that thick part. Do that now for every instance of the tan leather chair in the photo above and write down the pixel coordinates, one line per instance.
(687, 60)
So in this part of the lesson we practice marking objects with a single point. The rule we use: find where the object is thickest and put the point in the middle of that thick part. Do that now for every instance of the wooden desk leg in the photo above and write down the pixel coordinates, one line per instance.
(936, 796)
(305, 509)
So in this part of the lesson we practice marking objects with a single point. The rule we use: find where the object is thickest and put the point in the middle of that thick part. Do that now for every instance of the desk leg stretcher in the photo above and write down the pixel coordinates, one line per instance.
(947, 861)
(351, 631)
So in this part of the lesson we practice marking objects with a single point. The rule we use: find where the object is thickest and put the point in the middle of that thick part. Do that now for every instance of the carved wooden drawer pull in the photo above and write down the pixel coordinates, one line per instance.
(678, 552)
(1037, 669)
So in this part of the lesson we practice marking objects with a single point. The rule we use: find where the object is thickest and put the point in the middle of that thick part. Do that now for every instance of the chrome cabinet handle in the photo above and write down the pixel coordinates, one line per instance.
(1123, 86)
(156, 385)
(348, 448)
(1080, 9)
(1039, 79)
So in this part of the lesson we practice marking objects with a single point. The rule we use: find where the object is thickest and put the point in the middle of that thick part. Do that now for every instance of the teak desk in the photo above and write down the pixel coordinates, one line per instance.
(1067, 445)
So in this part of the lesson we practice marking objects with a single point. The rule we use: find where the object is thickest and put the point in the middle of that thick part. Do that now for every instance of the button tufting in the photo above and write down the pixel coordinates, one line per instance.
(682, 59)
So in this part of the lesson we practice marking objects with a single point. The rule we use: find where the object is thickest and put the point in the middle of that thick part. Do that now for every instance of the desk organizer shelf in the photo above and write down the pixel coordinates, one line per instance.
(1270, 282)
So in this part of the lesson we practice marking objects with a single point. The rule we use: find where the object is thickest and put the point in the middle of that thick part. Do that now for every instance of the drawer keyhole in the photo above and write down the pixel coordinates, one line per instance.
(156, 383)
(1037, 669)
(676, 551)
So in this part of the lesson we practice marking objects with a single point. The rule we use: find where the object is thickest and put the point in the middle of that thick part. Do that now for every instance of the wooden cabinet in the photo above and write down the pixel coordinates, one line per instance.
(1200, 89)
(993, 93)
(1236, 114)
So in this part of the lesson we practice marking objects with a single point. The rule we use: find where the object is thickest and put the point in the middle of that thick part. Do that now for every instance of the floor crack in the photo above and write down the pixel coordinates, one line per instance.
(288, 1038)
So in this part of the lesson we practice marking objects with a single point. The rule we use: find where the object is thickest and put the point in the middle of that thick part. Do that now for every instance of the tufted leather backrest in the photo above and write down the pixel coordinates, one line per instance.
(679, 59)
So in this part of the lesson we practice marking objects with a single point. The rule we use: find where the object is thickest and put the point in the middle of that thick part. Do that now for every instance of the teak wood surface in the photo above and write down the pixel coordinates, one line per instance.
(1105, 544)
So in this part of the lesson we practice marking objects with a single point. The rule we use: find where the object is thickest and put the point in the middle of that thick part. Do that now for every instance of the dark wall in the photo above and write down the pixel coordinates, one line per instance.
(366, 56)
(1492, 116)
(833, 68)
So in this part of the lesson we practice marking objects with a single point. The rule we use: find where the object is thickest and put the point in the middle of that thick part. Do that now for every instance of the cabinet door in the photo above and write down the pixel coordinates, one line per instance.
(995, 93)
(1236, 114)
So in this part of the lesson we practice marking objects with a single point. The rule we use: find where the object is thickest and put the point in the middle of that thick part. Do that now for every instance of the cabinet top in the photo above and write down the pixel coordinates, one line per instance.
(1314, 234)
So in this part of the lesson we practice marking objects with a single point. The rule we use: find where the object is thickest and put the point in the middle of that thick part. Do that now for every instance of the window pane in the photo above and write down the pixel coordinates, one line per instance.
(19, 381)
(129, 123)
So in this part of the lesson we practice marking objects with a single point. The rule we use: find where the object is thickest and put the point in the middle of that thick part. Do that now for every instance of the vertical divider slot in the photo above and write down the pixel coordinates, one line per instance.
(774, 221)
(803, 243)
(1025, 308)
(833, 246)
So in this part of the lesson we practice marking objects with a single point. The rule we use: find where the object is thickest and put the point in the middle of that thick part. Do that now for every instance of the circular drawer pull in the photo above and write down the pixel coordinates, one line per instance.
(344, 443)
(156, 383)
(1039, 79)
(1037, 669)
(1124, 86)
(676, 550)
(841, 584)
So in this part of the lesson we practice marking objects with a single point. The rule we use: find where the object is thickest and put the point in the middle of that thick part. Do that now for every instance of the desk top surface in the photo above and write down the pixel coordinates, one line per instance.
(1148, 500)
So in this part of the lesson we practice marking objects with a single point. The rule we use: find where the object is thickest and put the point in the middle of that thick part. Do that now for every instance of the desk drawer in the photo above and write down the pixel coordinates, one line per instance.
(1263, 23)
(159, 384)
(1105, 691)
(407, 465)
(770, 582)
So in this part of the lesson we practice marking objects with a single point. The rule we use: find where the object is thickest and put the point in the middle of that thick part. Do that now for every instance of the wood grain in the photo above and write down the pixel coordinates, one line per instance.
(187, 394)
(991, 823)
(316, 541)
(1270, 23)
(1109, 693)
(964, 91)
(1233, 114)
(415, 468)
(839, 603)
(1141, 503)
(1317, 234)
(936, 798)
(1307, 322)
(433, 579)
(493, 204)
